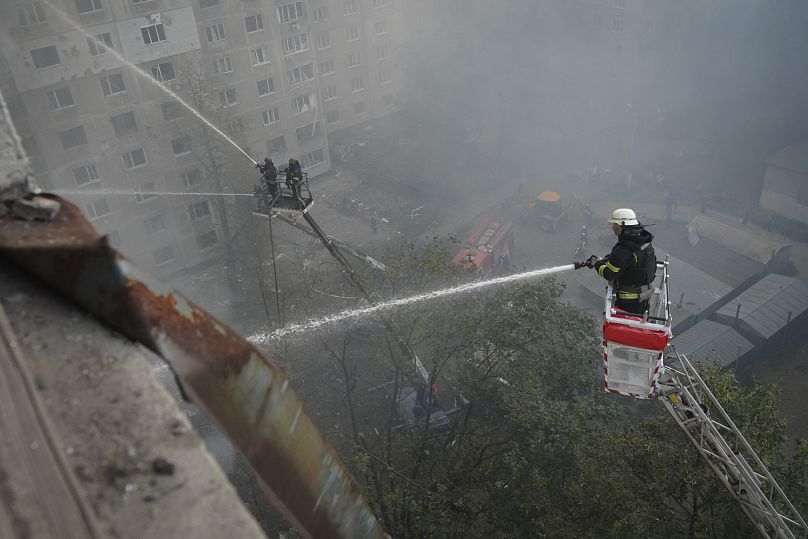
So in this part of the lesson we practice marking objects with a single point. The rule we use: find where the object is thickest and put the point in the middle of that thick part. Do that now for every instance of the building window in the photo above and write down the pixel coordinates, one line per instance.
(163, 72)
(99, 44)
(259, 56)
(144, 193)
(312, 158)
(123, 123)
(164, 255)
(113, 84)
(300, 74)
(206, 240)
(181, 145)
(321, 14)
(228, 97)
(73, 138)
(265, 87)
(199, 210)
(276, 145)
(381, 27)
(60, 98)
(153, 34)
(620, 4)
(290, 12)
(30, 14)
(308, 131)
(155, 223)
(357, 84)
(97, 208)
(359, 107)
(323, 40)
(384, 77)
(45, 57)
(208, 3)
(387, 100)
(326, 67)
(379, 3)
(383, 52)
(332, 116)
(294, 44)
(85, 174)
(234, 127)
(617, 23)
(271, 116)
(354, 59)
(215, 33)
(134, 158)
(352, 32)
(302, 103)
(172, 111)
(330, 92)
(88, 6)
(192, 177)
(222, 65)
(350, 7)
(253, 23)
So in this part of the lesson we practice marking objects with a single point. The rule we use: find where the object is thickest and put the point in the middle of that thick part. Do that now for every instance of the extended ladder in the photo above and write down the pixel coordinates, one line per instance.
(694, 407)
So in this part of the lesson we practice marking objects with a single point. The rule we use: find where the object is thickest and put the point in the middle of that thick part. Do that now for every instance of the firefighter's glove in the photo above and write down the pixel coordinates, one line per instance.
(588, 263)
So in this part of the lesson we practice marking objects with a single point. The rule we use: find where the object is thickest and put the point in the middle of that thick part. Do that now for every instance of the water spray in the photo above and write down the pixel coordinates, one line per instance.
(118, 56)
(301, 327)
(107, 192)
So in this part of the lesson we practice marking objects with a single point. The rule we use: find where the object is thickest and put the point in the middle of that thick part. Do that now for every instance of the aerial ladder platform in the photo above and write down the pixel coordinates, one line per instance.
(289, 206)
(640, 362)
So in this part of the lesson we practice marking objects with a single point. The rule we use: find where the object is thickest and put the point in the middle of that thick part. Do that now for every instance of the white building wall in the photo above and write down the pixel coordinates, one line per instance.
(180, 30)
(785, 192)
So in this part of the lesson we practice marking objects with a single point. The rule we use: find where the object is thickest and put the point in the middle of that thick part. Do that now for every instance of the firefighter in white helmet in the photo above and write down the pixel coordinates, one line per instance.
(631, 266)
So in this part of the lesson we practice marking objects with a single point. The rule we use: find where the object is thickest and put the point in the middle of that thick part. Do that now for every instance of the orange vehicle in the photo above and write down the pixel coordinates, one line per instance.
(487, 251)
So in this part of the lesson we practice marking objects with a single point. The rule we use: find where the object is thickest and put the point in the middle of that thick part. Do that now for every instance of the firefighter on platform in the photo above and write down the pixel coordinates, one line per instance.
(294, 175)
(270, 177)
(631, 266)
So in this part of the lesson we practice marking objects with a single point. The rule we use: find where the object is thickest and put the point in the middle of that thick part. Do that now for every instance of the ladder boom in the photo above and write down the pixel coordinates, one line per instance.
(705, 422)
(354, 279)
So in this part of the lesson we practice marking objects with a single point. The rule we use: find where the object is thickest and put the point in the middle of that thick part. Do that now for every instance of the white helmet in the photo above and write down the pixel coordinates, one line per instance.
(624, 217)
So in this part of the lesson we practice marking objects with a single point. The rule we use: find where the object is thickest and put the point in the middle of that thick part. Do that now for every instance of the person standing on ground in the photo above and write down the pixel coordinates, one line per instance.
(670, 202)
(702, 196)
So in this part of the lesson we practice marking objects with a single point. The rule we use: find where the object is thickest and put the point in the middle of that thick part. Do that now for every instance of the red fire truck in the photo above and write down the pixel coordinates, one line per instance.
(487, 251)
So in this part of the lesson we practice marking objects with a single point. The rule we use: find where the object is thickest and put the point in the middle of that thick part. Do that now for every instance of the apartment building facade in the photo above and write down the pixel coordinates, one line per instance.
(278, 76)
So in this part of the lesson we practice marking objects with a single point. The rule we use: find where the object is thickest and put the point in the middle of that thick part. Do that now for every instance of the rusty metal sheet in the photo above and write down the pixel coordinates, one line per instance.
(237, 385)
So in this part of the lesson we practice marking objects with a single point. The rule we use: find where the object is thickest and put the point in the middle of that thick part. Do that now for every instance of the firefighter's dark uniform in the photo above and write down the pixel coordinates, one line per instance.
(631, 267)
(294, 175)
(270, 178)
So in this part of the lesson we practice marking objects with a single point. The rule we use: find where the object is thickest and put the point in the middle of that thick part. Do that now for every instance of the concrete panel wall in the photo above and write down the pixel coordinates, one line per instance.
(180, 30)
(76, 60)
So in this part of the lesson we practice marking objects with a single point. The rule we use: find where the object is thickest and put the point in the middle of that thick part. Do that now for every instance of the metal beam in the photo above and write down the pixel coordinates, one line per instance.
(237, 385)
